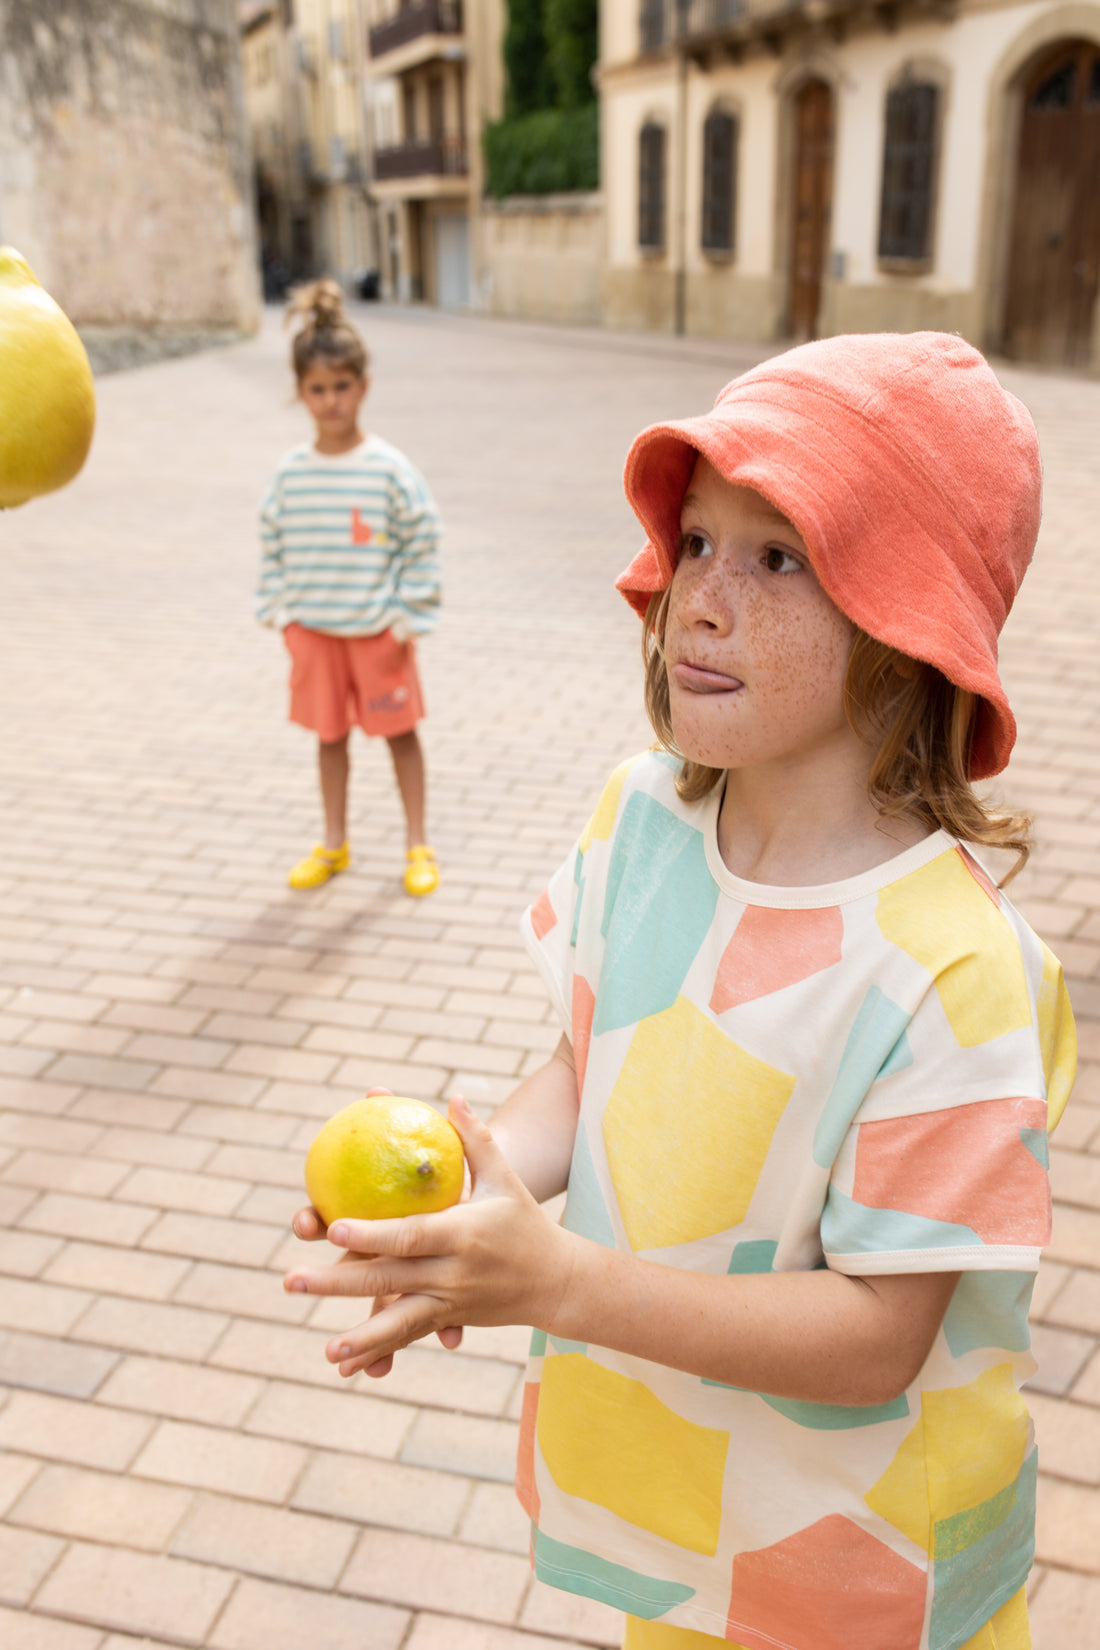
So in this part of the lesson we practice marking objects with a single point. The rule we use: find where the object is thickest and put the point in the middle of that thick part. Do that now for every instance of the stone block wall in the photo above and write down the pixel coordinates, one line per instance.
(124, 166)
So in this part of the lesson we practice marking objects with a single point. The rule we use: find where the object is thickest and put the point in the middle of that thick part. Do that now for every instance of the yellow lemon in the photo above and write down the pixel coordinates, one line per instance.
(47, 399)
(382, 1157)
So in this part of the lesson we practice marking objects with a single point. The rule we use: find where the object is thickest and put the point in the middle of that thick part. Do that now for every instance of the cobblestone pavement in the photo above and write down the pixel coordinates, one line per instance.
(180, 1464)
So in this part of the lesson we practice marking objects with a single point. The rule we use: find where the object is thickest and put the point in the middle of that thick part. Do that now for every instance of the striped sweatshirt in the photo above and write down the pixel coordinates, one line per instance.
(350, 544)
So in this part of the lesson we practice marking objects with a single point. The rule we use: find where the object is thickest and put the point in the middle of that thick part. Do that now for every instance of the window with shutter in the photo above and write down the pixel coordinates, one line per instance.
(719, 181)
(909, 171)
(651, 187)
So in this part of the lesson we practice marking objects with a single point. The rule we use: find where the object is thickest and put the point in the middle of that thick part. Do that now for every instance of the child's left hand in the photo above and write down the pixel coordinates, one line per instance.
(494, 1259)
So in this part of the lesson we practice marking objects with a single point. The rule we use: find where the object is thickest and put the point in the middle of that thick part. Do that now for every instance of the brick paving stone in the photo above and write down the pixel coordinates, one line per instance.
(426, 1573)
(382, 1493)
(174, 1022)
(265, 1541)
(350, 1421)
(160, 1386)
(47, 1365)
(101, 1506)
(260, 1469)
(136, 1592)
(20, 1631)
(25, 1558)
(264, 1616)
(60, 1429)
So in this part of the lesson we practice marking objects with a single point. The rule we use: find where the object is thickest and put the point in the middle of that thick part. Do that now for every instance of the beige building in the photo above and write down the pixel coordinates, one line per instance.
(774, 170)
(304, 87)
(124, 174)
(435, 76)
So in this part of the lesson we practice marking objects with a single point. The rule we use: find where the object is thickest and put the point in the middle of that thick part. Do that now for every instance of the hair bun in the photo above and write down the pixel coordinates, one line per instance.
(318, 304)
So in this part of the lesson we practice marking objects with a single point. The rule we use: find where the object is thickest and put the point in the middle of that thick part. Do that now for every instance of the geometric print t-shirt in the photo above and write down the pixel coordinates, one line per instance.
(858, 1076)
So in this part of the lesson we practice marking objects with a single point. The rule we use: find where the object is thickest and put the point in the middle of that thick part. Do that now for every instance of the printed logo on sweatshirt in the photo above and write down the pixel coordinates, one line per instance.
(361, 531)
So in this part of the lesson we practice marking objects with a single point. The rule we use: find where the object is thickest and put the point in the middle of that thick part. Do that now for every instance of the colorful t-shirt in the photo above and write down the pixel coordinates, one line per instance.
(857, 1076)
(350, 544)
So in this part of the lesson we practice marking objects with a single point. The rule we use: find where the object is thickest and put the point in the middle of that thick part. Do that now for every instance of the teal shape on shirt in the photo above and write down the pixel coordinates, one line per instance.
(538, 1344)
(659, 904)
(826, 1417)
(585, 1209)
(971, 1582)
(837, 1417)
(871, 1048)
(850, 1228)
(754, 1256)
(900, 1056)
(576, 1571)
(1037, 1144)
(578, 878)
(560, 1345)
(989, 1309)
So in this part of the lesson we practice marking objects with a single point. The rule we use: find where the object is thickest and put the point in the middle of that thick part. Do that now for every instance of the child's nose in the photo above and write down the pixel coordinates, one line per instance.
(712, 597)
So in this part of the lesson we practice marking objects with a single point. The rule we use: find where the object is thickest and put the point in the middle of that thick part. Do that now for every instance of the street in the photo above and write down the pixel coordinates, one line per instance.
(180, 1465)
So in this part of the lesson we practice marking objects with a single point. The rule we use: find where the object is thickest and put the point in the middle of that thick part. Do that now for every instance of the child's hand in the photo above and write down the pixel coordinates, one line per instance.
(495, 1259)
(309, 1225)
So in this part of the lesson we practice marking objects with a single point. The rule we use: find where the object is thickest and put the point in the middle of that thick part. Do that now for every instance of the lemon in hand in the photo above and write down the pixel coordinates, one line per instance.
(47, 399)
(383, 1157)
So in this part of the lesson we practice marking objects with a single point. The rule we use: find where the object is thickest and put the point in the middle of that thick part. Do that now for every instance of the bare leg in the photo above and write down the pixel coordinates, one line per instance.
(408, 768)
(332, 760)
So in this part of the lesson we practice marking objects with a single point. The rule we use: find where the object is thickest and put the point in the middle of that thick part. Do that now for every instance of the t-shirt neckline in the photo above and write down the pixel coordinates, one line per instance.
(812, 896)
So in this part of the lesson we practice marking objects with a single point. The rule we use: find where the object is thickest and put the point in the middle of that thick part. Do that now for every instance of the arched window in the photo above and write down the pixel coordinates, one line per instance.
(719, 181)
(909, 171)
(651, 187)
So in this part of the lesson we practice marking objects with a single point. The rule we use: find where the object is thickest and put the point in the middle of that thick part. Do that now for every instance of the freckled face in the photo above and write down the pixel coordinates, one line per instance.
(756, 651)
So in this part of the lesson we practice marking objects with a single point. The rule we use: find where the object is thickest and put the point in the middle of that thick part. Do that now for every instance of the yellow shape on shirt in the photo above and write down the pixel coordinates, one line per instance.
(687, 1128)
(602, 823)
(967, 1446)
(1057, 1036)
(974, 958)
(608, 1439)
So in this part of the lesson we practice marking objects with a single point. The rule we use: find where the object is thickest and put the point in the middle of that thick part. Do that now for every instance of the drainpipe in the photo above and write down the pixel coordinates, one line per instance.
(680, 317)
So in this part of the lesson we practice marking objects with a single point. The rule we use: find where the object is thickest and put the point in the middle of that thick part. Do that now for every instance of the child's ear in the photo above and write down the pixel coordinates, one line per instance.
(905, 667)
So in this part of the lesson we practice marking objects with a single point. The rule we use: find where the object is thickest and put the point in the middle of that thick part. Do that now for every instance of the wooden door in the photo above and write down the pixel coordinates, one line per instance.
(813, 203)
(1054, 250)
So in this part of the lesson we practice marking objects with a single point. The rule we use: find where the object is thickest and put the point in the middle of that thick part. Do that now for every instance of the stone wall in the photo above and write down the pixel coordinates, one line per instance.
(124, 169)
(542, 257)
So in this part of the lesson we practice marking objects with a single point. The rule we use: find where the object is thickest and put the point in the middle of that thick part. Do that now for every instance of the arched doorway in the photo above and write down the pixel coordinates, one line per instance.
(813, 202)
(1054, 247)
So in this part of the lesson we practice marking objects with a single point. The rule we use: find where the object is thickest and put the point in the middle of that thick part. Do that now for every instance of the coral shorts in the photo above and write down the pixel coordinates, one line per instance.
(341, 682)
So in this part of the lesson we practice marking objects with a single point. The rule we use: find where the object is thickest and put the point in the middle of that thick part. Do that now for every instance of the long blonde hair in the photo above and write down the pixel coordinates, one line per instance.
(323, 331)
(919, 724)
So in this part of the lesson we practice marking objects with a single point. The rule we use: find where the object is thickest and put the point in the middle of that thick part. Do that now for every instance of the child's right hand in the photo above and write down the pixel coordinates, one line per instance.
(308, 1225)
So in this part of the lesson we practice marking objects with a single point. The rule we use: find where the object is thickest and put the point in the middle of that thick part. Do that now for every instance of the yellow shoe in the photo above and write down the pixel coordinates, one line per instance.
(318, 866)
(422, 872)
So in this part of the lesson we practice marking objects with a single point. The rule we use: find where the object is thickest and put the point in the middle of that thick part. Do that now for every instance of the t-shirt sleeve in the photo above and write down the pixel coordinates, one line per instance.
(549, 929)
(958, 1188)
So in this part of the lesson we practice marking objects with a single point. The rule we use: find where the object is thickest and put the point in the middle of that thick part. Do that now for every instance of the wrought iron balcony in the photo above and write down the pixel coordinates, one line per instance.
(668, 22)
(419, 18)
(443, 158)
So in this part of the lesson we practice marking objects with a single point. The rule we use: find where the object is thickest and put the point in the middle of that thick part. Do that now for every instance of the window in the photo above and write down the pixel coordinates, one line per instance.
(719, 181)
(651, 187)
(651, 25)
(908, 172)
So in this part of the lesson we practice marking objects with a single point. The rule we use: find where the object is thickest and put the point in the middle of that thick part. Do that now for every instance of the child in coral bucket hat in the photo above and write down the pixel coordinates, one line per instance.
(810, 1054)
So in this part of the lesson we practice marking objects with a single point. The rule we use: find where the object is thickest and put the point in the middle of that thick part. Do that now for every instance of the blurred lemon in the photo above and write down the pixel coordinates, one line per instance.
(47, 399)
(383, 1157)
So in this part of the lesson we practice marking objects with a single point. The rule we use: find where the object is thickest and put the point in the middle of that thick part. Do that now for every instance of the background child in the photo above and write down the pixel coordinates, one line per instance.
(350, 574)
(811, 1052)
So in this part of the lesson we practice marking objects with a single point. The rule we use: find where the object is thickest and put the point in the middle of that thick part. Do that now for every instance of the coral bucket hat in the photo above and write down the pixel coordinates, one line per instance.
(912, 476)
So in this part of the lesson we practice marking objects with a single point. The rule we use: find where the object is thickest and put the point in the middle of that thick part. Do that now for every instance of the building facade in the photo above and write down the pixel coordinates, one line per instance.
(434, 77)
(304, 90)
(124, 174)
(774, 170)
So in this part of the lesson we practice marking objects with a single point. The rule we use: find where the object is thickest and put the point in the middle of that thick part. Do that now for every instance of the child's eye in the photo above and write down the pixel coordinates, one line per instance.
(694, 545)
(781, 561)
